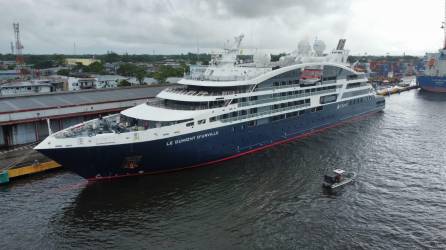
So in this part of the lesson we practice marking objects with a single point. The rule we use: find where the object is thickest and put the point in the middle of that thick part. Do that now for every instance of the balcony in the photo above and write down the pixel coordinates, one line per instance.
(266, 113)
(282, 98)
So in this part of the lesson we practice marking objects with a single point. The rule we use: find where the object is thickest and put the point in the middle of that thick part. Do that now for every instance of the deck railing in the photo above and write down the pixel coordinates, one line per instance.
(259, 115)
(281, 98)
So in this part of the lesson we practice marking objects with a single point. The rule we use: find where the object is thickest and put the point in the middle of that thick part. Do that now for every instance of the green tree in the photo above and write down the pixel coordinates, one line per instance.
(112, 57)
(127, 69)
(124, 83)
(96, 67)
(140, 74)
(59, 59)
(79, 67)
(63, 72)
(159, 77)
(43, 64)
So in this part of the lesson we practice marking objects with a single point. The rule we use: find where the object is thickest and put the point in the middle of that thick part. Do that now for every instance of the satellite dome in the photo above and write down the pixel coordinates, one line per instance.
(319, 47)
(304, 47)
(262, 59)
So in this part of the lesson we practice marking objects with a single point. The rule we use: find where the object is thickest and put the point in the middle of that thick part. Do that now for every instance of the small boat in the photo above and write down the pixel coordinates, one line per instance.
(339, 179)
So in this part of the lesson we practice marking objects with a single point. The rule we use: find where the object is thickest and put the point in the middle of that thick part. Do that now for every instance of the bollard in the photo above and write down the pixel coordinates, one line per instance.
(4, 177)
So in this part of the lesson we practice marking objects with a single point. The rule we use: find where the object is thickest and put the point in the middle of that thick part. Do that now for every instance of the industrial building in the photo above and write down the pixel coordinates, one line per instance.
(83, 61)
(32, 87)
(23, 119)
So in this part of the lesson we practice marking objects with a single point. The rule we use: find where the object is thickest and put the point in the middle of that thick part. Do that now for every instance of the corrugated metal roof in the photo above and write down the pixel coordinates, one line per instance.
(54, 100)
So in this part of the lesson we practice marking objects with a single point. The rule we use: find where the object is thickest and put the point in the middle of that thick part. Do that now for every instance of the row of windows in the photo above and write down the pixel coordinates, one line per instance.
(291, 82)
(356, 93)
(356, 85)
(290, 104)
(256, 110)
(360, 100)
(283, 116)
(295, 114)
(312, 110)
(283, 94)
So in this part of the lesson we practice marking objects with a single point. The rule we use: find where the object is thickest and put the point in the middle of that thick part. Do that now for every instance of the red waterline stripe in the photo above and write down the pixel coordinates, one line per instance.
(315, 131)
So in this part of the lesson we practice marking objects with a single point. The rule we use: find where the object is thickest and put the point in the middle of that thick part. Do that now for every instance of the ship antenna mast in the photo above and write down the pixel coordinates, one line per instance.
(444, 26)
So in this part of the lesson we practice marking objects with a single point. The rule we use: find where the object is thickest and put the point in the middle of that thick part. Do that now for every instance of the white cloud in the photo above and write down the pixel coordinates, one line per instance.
(172, 26)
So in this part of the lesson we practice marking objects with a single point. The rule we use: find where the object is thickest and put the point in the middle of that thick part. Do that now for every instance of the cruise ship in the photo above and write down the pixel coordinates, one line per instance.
(234, 106)
(434, 77)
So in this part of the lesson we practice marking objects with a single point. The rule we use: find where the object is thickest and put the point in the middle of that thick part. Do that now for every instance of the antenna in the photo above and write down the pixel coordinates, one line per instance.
(18, 49)
(12, 48)
(198, 51)
(443, 26)
(74, 48)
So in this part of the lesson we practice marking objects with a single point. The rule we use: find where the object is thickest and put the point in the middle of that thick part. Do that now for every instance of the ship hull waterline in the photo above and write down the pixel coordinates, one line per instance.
(432, 83)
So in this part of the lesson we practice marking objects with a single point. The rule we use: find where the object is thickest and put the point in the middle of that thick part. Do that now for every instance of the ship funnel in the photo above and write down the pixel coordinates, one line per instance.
(341, 44)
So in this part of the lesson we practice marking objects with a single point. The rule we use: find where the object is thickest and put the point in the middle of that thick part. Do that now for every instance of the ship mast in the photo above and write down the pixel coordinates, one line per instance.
(444, 26)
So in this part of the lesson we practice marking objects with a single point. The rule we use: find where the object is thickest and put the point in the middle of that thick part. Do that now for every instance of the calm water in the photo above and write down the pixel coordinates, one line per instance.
(271, 199)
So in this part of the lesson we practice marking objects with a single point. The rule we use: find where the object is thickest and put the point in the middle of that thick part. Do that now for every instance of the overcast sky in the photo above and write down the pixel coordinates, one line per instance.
(178, 26)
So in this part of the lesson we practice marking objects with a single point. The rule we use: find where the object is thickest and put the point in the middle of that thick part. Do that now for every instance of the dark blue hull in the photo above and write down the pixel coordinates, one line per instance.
(202, 148)
(432, 83)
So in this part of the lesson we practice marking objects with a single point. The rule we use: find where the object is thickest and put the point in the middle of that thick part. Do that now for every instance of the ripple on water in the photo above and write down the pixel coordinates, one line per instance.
(272, 199)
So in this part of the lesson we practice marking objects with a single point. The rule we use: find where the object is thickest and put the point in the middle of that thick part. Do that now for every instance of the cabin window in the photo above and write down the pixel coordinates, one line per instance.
(201, 122)
(213, 119)
(293, 114)
(353, 85)
(320, 108)
(189, 124)
(251, 123)
(328, 99)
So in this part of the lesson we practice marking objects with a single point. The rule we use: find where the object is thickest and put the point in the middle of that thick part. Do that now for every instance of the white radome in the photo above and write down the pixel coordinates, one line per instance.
(319, 47)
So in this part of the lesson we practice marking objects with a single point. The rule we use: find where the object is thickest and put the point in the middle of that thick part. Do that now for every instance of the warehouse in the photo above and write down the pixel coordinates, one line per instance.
(23, 119)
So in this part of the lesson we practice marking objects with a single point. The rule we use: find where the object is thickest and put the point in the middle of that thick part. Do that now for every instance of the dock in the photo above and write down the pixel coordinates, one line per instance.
(16, 172)
(23, 161)
(395, 90)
